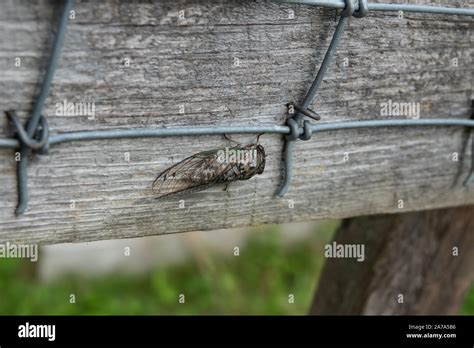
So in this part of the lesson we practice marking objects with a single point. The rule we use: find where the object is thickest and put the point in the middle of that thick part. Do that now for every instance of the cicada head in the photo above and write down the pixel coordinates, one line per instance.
(260, 159)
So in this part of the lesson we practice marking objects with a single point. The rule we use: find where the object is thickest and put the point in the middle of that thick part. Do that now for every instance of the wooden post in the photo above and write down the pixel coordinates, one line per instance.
(415, 263)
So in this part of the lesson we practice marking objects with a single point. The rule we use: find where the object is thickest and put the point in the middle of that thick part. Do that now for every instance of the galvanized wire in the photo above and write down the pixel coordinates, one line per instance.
(308, 99)
(341, 4)
(296, 127)
(12, 143)
(31, 128)
(359, 9)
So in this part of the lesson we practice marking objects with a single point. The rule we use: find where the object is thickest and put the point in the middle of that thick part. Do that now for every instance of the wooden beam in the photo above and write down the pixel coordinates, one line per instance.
(230, 62)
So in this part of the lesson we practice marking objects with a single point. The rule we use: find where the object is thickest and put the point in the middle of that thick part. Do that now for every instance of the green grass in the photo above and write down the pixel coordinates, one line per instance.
(468, 308)
(258, 281)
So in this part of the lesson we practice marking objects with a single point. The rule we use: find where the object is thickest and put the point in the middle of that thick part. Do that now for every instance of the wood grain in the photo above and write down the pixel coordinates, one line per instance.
(190, 62)
(425, 256)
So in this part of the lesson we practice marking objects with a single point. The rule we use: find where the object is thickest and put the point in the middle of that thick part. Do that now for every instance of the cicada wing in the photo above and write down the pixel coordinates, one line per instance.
(192, 174)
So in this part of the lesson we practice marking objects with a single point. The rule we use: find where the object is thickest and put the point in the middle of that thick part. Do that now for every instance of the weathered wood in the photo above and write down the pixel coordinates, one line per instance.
(190, 62)
(426, 257)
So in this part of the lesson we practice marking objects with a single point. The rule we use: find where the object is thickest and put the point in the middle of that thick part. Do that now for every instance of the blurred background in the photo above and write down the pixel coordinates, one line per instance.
(272, 269)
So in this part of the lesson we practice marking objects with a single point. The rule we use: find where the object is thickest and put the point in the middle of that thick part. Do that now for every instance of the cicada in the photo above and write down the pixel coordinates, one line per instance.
(202, 170)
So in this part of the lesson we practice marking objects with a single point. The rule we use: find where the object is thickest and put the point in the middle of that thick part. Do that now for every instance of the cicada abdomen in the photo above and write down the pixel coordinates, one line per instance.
(204, 169)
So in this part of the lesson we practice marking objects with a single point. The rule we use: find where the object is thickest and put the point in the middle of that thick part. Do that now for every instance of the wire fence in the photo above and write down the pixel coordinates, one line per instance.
(36, 137)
